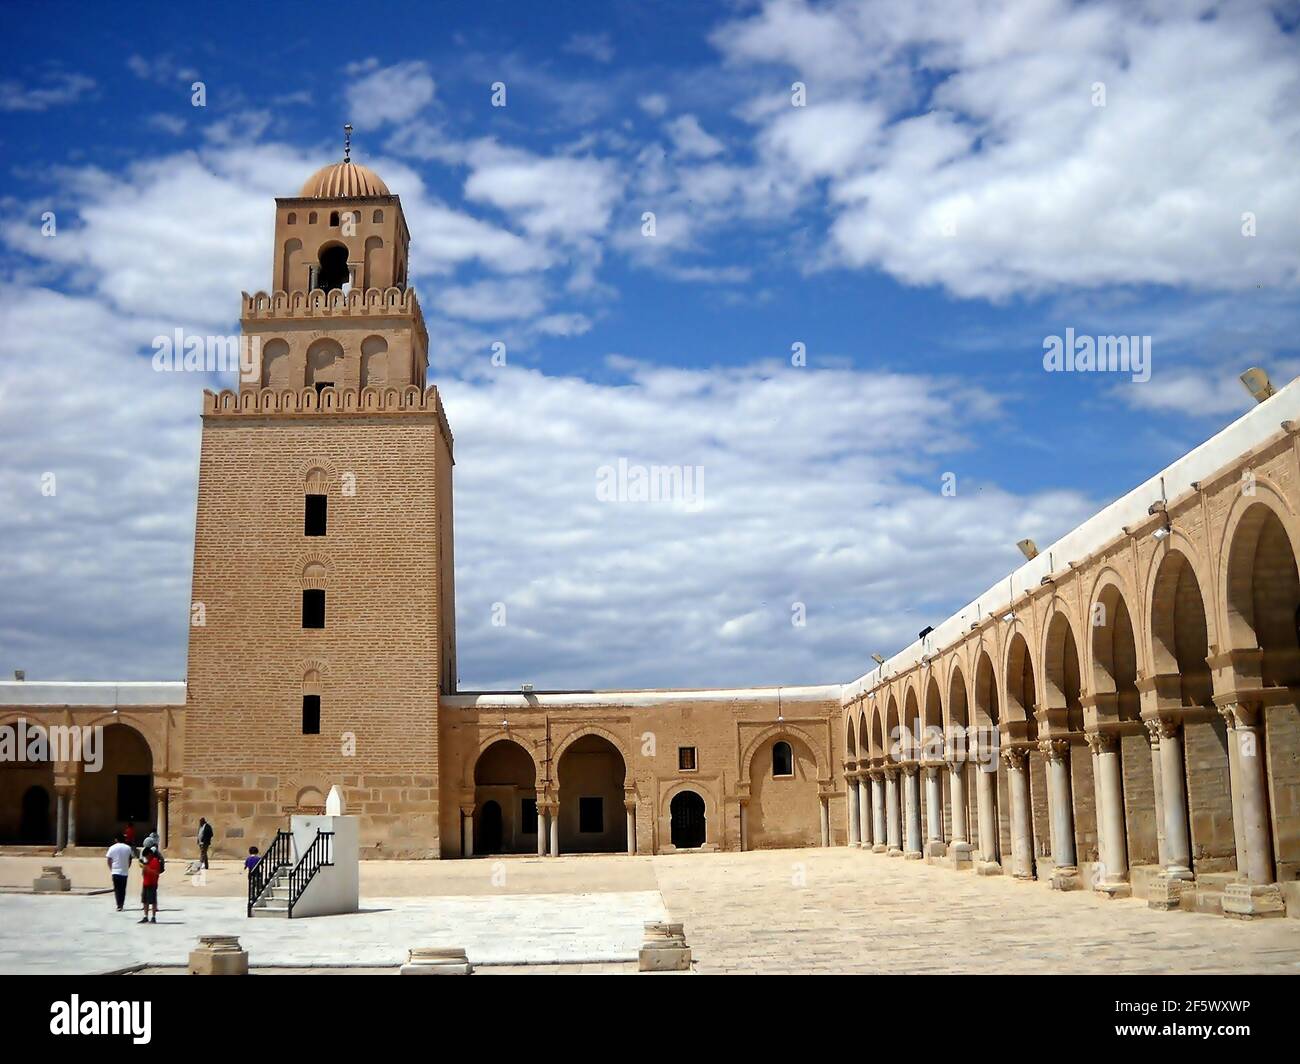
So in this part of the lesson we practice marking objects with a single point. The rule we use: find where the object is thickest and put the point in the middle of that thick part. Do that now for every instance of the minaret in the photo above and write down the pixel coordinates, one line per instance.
(323, 618)
(341, 248)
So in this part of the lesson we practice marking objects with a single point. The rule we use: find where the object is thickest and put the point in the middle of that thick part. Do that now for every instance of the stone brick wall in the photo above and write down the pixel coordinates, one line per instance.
(732, 736)
(247, 761)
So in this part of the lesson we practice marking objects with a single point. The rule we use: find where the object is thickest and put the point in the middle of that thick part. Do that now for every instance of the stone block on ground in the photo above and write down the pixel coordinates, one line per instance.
(51, 880)
(664, 949)
(433, 960)
(1253, 901)
(218, 955)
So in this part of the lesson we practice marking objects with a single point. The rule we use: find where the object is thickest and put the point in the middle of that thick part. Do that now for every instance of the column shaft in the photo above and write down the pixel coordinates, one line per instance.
(957, 799)
(1258, 863)
(555, 830)
(826, 821)
(879, 834)
(852, 801)
(1173, 778)
(892, 812)
(933, 805)
(1022, 839)
(1114, 847)
(1061, 802)
(986, 808)
(912, 803)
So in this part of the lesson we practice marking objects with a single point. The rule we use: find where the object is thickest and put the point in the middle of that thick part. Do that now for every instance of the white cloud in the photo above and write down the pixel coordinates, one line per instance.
(492, 300)
(567, 198)
(597, 46)
(378, 95)
(691, 140)
(122, 243)
(654, 104)
(57, 90)
(995, 173)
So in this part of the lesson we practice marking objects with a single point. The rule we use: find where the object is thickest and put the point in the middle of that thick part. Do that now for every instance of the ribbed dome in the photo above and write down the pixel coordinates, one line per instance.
(343, 181)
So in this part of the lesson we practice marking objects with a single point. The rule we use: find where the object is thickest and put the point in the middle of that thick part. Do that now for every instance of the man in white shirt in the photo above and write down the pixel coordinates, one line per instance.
(119, 865)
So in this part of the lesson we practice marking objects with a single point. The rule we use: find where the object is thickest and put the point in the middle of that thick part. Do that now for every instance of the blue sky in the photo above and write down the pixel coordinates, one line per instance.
(952, 191)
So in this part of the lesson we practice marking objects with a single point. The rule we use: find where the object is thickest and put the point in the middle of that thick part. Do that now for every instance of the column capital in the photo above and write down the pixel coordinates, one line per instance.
(466, 810)
(1054, 749)
(890, 772)
(1014, 757)
(1161, 728)
(910, 768)
(1102, 742)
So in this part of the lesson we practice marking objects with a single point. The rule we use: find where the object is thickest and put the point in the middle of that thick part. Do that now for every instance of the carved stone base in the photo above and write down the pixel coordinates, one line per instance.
(1253, 901)
(935, 848)
(430, 960)
(664, 949)
(879, 847)
(895, 853)
(1113, 888)
(1065, 877)
(988, 868)
(913, 855)
(51, 880)
(218, 955)
(1165, 893)
(960, 856)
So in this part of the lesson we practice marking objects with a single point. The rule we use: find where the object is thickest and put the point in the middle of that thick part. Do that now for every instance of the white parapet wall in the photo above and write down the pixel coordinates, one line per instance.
(336, 888)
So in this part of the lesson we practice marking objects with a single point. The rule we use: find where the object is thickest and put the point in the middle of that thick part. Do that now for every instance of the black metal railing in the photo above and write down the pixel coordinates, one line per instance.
(319, 854)
(278, 855)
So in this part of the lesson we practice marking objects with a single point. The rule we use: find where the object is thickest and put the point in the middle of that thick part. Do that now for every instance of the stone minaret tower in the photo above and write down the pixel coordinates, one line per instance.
(323, 619)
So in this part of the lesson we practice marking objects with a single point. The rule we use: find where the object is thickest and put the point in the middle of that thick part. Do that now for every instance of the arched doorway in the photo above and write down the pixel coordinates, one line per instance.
(121, 792)
(591, 775)
(686, 812)
(35, 820)
(505, 799)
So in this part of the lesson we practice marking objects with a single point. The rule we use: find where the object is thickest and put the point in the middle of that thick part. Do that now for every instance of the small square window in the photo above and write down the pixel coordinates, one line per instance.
(591, 816)
(528, 817)
(315, 515)
(311, 714)
(686, 758)
(313, 608)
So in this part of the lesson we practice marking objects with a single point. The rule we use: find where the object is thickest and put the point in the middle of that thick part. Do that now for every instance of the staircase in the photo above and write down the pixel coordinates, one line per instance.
(277, 881)
(274, 899)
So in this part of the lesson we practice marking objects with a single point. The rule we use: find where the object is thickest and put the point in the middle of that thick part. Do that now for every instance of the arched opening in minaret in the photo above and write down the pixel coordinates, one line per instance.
(332, 269)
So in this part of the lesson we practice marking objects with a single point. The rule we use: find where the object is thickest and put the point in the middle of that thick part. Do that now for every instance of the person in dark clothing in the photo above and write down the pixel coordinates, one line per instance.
(205, 840)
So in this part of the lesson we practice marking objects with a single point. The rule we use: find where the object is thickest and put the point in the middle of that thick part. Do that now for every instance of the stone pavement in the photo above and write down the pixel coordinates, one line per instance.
(77, 935)
(843, 910)
(834, 910)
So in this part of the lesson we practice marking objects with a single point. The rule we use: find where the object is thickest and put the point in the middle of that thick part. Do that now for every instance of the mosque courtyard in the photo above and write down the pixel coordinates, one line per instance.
(836, 910)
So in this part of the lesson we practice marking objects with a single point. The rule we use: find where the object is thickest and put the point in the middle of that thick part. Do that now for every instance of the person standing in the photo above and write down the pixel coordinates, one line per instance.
(119, 866)
(128, 835)
(205, 840)
(151, 867)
